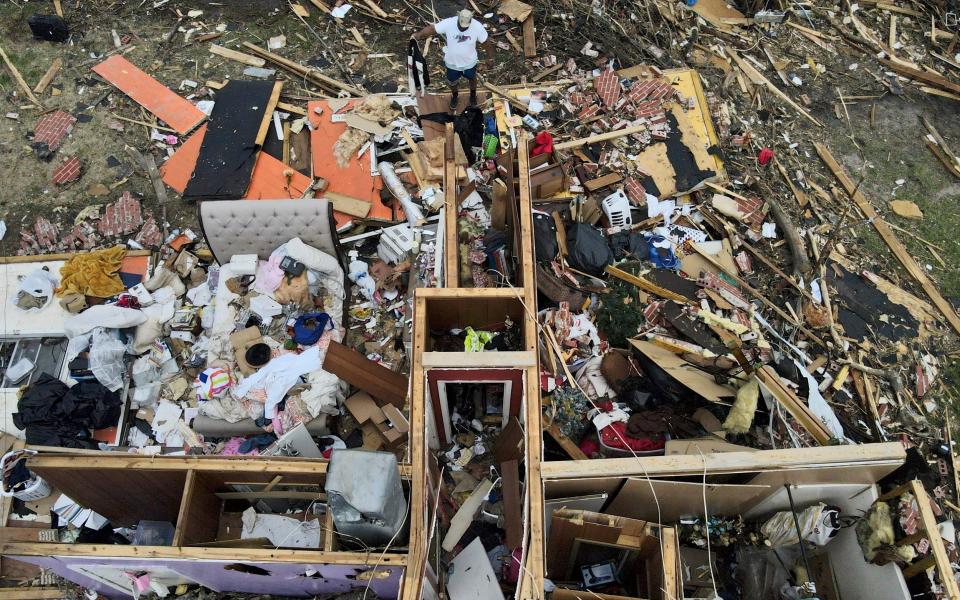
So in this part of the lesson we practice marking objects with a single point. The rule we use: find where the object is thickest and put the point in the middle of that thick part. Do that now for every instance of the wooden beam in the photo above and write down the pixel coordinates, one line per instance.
(240, 57)
(937, 548)
(19, 79)
(933, 79)
(797, 409)
(905, 258)
(309, 73)
(268, 115)
(15, 260)
(417, 547)
(670, 543)
(94, 459)
(647, 286)
(477, 360)
(533, 571)
(31, 593)
(529, 37)
(47, 78)
(503, 93)
(150, 165)
(348, 205)
(756, 77)
(600, 137)
(271, 495)
(676, 465)
(267, 555)
(451, 246)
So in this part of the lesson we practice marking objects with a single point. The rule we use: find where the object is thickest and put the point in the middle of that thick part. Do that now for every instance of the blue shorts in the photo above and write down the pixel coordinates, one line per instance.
(454, 75)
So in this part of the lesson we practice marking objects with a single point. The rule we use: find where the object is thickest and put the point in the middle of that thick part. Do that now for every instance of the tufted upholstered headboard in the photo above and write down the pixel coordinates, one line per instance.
(259, 226)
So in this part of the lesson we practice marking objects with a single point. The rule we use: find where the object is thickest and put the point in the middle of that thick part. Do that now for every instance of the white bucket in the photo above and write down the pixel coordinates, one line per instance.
(36, 490)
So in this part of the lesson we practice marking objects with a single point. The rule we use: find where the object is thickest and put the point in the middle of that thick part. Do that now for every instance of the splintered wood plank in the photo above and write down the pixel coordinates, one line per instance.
(529, 38)
(240, 57)
(905, 258)
(268, 114)
(47, 78)
(161, 101)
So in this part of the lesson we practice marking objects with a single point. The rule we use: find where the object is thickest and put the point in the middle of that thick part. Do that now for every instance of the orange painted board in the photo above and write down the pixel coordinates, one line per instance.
(178, 169)
(354, 180)
(173, 109)
(137, 265)
(269, 183)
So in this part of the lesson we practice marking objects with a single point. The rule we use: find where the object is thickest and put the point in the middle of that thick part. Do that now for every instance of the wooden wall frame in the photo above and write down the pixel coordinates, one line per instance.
(513, 391)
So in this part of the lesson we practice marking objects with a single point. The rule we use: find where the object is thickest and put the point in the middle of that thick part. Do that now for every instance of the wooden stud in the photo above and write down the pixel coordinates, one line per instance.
(937, 548)
(47, 78)
(451, 247)
(268, 114)
(890, 454)
(309, 73)
(529, 38)
(600, 137)
(533, 573)
(266, 555)
(757, 78)
(236, 55)
(19, 79)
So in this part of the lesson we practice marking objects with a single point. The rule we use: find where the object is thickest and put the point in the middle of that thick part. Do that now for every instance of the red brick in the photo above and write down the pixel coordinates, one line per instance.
(635, 191)
(607, 85)
(47, 233)
(67, 171)
(121, 217)
(589, 111)
(150, 234)
(53, 128)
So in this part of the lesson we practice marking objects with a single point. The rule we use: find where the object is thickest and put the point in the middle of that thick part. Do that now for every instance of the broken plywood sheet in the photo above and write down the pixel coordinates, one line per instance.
(679, 499)
(715, 11)
(177, 170)
(682, 372)
(472, 576)
(696, 137)
(172, 109)
(354, 180)
(273, 180)
(230, 146)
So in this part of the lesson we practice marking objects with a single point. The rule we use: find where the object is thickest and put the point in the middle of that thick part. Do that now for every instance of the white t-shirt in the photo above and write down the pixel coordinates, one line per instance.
(461, 51)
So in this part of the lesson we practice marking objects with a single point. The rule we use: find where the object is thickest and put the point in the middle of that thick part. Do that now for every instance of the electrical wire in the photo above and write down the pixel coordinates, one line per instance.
(706, 523)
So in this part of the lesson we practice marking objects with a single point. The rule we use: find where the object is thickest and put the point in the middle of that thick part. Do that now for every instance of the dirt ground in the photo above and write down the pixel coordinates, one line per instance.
(888, 150)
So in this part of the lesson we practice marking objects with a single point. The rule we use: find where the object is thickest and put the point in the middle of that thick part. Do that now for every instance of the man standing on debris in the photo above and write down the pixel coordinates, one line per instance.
(462, 34)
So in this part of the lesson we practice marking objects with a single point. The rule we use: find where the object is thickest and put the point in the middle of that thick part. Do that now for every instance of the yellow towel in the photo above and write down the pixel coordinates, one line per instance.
(93, 273)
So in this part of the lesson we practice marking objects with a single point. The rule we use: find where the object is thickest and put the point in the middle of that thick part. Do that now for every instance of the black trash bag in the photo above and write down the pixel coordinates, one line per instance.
(629, 244)
(588, 249)
(52, 414)
(40, 403)
(544, 237)
(48, 27)
(90, 403)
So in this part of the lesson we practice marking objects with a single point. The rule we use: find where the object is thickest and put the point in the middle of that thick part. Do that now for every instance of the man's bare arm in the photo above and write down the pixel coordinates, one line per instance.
(424, 33)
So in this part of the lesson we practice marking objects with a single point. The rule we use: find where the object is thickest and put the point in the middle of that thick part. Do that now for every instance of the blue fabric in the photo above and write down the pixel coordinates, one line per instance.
(308, 335)
(454, 75)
